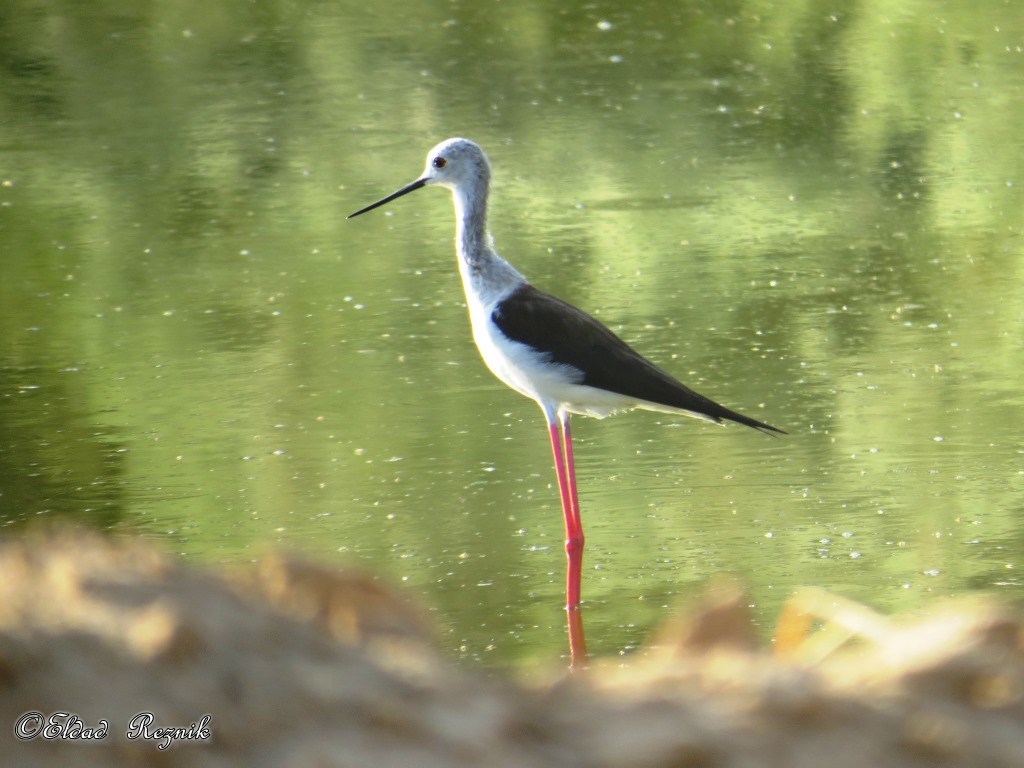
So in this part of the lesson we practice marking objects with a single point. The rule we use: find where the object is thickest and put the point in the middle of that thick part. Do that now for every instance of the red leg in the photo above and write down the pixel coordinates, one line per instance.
(573, 523)
(565, 471)
(573, 529)
(577, 644)
(574, 497)
(574, 552)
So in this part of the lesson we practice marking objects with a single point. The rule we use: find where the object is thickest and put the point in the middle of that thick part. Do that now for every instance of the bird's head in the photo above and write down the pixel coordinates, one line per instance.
(458, 164)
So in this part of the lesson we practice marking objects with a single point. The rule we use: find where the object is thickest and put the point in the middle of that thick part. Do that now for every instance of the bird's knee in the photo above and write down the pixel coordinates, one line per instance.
(574, 545)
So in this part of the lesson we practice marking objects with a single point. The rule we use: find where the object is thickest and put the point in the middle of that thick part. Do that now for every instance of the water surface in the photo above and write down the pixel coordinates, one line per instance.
(814, 217)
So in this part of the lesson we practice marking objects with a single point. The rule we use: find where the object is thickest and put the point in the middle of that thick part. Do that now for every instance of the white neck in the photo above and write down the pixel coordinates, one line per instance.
(485, 275)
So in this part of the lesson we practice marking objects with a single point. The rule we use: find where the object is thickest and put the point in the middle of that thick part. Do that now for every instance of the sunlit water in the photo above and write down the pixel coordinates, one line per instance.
(815, 220)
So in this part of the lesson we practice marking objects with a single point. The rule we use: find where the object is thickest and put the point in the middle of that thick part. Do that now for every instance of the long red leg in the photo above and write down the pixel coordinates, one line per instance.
(565, 471)
(574, 497)
(573, 523)
(573, 529)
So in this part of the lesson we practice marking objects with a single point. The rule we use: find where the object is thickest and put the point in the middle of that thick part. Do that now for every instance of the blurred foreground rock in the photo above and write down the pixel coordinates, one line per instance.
(298, 665)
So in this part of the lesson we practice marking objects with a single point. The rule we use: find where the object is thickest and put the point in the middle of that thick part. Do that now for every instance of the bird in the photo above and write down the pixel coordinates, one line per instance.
(545, 348)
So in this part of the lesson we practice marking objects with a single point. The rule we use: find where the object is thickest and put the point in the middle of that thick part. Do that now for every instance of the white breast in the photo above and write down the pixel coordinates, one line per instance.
(531, 373)
(555, 386)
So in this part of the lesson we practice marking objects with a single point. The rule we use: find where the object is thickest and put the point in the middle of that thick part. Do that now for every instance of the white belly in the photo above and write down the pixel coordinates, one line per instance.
(556, 387)
(532, 374)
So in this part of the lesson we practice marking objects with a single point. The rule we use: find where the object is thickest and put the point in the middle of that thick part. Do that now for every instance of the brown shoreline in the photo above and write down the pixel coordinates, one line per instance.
(299, 665)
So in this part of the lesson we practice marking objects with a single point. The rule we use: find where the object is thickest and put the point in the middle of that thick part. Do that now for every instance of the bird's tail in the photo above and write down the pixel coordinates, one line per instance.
(746, 421)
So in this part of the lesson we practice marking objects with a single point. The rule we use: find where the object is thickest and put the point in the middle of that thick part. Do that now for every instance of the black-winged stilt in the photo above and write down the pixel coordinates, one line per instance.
(547, 349)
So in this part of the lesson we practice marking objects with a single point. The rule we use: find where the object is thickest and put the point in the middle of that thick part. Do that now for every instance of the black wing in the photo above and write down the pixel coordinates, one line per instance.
(572, 337)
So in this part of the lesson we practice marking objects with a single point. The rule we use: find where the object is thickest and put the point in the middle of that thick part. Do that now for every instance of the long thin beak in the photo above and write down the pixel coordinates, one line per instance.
(403, 191)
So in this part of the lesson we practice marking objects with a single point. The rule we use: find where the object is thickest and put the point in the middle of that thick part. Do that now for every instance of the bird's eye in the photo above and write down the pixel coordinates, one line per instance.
(439, 162)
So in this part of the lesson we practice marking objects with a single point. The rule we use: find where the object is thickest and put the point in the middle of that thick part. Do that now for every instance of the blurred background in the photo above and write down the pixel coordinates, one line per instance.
(811, 212)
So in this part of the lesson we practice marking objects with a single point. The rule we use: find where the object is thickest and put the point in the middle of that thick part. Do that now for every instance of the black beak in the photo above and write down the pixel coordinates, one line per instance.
(403, 191)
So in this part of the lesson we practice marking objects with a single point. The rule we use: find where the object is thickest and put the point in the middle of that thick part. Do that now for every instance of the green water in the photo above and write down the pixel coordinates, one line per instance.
(812, 213)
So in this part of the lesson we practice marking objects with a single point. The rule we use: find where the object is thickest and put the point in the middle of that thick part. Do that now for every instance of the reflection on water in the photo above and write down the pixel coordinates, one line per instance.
(801, 215)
